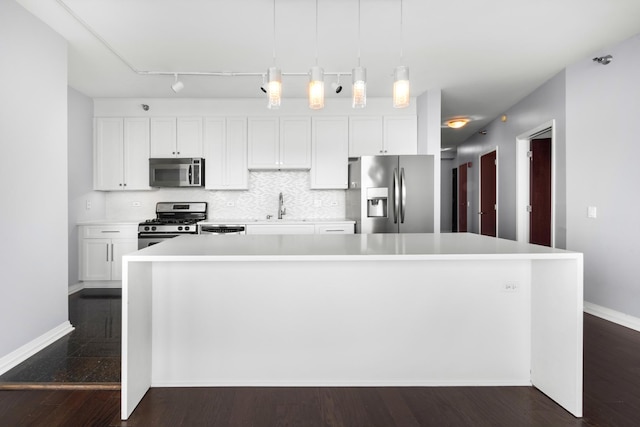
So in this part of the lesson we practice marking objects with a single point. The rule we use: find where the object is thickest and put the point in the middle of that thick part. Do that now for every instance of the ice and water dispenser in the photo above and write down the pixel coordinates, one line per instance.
(377, 202)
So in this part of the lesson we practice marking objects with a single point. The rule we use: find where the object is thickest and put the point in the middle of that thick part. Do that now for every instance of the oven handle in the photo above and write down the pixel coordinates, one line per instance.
(159, 235)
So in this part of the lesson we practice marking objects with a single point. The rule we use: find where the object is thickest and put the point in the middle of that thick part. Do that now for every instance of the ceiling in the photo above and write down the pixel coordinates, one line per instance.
(484, 55)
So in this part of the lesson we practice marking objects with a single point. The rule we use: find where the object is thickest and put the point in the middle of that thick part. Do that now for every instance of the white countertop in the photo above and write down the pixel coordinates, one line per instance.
(110, 222)
(362, 247)
(285, 221)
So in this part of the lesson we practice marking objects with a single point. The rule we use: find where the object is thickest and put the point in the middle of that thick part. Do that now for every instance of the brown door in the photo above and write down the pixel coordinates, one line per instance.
(540, 192)
(488, 194)
(462, 198)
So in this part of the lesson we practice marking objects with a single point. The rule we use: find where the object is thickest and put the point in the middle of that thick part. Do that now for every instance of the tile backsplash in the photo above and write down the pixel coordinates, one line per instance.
(256, 203)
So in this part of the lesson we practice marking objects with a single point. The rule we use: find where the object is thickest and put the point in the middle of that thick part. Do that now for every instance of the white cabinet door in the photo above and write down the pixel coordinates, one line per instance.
(108, 154)
(136, 154)
(295, 142)
(120, 247)
(95, 259)
(280, 229)
(335, 228)
(163, 137)
(189, 137)
(365, 136)
(401, 135)
(330, 152)
(264, 143)
(225, 150)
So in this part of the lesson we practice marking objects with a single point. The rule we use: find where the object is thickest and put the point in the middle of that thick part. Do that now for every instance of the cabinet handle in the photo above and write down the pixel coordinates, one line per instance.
(173, 152)
(110, 231)
(125, 184)
(107, 252)
(120, 184)
(178, 152)
(112, 252)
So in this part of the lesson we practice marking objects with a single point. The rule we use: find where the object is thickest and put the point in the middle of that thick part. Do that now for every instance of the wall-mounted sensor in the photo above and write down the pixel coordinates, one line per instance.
(604, 60)
(145, 107)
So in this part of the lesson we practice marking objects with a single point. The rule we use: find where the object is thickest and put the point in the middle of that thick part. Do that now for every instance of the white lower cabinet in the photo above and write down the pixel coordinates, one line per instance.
(307, 228)
(102, 248)
(281, 229)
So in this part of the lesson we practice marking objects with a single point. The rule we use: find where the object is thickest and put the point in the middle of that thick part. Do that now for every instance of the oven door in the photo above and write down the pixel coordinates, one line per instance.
(149, 239)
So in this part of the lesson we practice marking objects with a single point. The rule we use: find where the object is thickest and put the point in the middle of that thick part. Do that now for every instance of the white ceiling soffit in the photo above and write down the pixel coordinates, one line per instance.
(484, 55)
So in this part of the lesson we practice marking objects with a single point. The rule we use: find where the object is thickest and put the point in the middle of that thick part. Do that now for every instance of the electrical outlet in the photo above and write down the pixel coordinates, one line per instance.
(510, 287)
(230, 204)
(136, 204)
(334, 203)
(592, 212)
(88, 205)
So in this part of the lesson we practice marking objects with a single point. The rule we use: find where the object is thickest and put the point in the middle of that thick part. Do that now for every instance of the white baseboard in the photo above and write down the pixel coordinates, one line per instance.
(109, 284)
(614, 316)
(21, 354)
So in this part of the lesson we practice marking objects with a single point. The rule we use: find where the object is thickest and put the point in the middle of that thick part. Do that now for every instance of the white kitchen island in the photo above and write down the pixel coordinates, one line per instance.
(352, 310)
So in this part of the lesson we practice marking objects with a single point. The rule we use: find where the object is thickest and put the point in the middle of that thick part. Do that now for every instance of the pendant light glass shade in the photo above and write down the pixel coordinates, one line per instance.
(274, 88)
(316, 88)
(401, 87)
(359, 87)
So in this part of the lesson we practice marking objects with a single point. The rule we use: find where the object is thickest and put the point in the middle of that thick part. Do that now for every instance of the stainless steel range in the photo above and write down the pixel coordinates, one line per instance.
(172, 219)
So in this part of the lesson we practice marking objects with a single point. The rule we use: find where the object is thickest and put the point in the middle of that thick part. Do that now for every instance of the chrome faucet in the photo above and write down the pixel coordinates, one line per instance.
(281, 209)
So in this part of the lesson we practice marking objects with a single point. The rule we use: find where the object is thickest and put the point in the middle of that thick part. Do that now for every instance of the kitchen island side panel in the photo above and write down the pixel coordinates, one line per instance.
(331, 323)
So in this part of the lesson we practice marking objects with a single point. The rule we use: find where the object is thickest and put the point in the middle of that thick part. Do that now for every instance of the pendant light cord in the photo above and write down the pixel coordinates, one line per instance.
(274, 33)
(401, 36)
(359, 33)
(316, 32)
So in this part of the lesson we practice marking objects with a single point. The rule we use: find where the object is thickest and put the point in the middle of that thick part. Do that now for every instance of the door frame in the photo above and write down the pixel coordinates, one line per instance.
(480, 189)
(522, 180)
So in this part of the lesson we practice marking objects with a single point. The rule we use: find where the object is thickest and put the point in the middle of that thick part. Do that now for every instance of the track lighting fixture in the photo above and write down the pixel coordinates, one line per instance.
(177, 85)
(336, 85)
(604, 60)
(264, 84)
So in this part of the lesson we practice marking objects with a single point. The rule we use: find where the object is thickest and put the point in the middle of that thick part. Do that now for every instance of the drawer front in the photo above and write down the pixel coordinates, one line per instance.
(109, 231)
(338, 228)
(280, 229)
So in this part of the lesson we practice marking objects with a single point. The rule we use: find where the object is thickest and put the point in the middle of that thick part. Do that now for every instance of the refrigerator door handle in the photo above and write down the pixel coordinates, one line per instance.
(403, 192)
(396, 196)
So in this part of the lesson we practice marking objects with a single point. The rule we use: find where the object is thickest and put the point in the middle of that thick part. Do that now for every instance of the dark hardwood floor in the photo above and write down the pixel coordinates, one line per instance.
(89, 354)
(611, 398)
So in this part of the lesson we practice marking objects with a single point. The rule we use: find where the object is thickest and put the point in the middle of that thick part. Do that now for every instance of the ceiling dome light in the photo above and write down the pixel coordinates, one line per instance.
(457, 123)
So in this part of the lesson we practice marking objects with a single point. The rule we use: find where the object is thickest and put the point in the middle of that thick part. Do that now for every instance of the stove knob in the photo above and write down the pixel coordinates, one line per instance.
(180, 228)
(186, 228)
(153, 228)
(146, 229)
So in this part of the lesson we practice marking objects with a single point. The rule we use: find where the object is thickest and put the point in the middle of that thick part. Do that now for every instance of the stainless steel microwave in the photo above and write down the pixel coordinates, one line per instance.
(176, 172)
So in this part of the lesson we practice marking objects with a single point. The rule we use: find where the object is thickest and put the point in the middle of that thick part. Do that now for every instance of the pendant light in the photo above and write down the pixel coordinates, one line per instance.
(316, 78)
(359, 77)
(274, 74)
(401, 77)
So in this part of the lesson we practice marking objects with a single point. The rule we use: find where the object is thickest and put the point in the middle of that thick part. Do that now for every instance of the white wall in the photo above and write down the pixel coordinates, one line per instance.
(543, 105)
(33, 178)
(80, 158)
(603, 106)
(429, 111)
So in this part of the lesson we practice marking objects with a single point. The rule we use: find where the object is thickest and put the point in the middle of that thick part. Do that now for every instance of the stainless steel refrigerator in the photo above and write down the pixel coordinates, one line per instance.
(391, 194)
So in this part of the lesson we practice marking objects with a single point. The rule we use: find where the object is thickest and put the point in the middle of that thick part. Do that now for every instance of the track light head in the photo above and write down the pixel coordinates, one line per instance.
(263, 88)
(337, 87)
(177, 85)
(604, 60)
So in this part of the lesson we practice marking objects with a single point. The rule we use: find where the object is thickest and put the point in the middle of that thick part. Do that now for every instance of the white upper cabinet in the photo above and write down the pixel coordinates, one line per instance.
(401, 135)
(121, 154)
(176, 137)
(330, 156)
(225, 151)
(382, 135)
(365, 136)
(279, 143)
